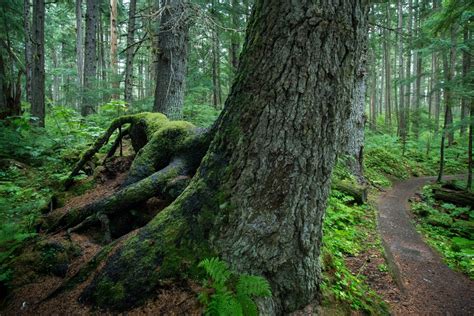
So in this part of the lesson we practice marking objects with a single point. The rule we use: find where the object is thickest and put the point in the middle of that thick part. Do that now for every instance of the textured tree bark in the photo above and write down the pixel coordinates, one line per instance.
(79, 50)
(90, 62)
(259, 195)
(173, 39)
(130, 53)
(28, 48)
(37, 75)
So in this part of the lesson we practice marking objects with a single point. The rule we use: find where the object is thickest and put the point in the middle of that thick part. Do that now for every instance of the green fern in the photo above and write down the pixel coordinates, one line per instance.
(228, 294)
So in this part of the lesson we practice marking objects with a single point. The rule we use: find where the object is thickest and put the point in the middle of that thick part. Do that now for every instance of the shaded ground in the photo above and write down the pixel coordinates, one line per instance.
(31, 289)
(428, 286)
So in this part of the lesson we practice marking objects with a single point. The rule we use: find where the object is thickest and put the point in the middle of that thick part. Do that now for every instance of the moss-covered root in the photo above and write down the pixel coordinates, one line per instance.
(160, 183)
(164, 144)
(117, 142)
(143, 125)
(97, 146)
(168, 247)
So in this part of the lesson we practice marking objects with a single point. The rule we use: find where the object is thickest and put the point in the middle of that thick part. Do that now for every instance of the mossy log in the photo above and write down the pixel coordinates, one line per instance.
(356, 191)
(459, 198)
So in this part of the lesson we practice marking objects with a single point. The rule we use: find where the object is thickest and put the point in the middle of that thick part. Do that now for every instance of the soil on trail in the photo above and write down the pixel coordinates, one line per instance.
(428, 286)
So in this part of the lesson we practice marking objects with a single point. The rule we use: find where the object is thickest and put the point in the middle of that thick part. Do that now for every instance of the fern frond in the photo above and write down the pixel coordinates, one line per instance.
(216, 269)
(253, 285)
(224, 304)
(248, 306)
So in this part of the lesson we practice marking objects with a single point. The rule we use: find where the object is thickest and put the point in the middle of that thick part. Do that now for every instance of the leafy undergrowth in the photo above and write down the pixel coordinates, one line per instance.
(346, 230)
(385, 158)
(447, 228)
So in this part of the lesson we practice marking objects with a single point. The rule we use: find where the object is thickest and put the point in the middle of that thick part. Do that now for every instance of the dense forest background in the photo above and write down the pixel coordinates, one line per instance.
(69, 68)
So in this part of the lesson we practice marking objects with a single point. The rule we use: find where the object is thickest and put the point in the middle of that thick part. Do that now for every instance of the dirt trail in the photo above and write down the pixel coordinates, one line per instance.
(429, 287)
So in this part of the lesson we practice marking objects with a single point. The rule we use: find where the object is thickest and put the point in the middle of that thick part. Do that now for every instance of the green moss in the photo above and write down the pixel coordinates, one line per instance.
(108, 292)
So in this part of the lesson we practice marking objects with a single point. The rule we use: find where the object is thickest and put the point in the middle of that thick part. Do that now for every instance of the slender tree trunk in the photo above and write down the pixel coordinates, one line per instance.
(469, 150)
(258, 199)
(437, 91)
(409, 56)
(216, 85)
(235, 37)
(56, 84)
(402, 131)
(90, 62)
(431, 89)
(37, 75)
(373, 93)
(130, 53)
(388, 71)
(103, 38)
(418, 69)
(172, 57)
(79, 50)
(466, 66)
(113, 49)
(449, 67)
(28, 48)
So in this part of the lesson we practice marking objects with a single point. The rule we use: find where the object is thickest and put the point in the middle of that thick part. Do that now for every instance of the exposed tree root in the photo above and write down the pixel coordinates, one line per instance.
(160, 183)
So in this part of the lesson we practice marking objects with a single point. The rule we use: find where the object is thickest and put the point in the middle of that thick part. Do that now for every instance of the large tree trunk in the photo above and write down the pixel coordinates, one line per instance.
(130, 53)
(173, 39)
(90, 62)
(37, 77)
(259, 195)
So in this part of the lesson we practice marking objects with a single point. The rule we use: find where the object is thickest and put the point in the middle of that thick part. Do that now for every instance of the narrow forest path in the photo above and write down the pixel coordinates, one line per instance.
(429, 287)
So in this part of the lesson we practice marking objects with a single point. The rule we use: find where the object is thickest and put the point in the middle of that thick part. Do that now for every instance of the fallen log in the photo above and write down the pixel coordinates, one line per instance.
(356, 191)
(456, 197)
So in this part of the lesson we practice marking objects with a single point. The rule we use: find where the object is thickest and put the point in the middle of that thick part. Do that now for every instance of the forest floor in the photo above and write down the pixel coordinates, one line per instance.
(425, 284)
(32, 297)
(428, 286)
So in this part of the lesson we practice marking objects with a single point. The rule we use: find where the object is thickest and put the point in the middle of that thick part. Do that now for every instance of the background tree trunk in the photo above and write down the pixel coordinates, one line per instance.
(130, 53)
(37, 75)
(173, 39)
(216, 64)
(402, 132)
(28, 48)
(90, 62)
(79, 50)
(259, 196)
(113, 49)
(388, 71)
